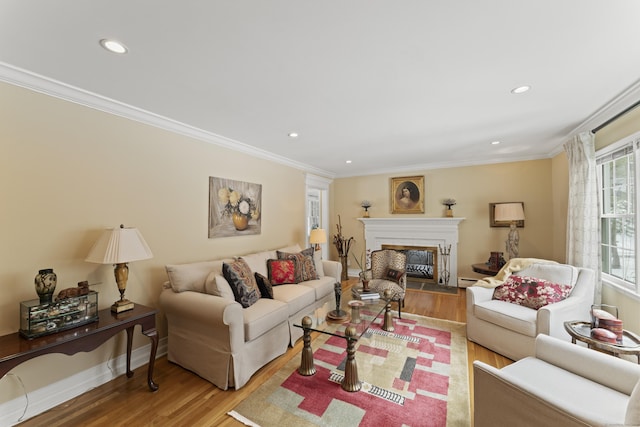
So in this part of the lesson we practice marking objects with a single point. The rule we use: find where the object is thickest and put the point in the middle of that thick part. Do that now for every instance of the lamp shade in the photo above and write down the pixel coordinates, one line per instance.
(317, 236)
(119, 245)
(509, 212)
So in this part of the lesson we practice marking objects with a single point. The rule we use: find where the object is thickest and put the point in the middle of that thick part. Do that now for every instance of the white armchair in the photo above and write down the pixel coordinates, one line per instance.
(564, 385)
(511, 329)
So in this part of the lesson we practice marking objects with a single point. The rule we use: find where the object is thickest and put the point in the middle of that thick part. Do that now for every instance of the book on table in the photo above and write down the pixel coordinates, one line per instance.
(365, 295)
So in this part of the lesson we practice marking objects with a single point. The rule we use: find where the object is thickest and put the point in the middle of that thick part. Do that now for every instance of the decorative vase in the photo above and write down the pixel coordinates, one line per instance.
(449, 213)
(45, 282)
(345, 272)
(241, 222)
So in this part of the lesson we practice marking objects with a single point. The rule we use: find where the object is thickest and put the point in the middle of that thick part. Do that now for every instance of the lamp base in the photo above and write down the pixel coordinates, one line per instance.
(122, 305)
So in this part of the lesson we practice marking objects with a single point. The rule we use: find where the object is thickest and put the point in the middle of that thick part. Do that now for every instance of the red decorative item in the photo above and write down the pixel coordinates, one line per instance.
(604, 335)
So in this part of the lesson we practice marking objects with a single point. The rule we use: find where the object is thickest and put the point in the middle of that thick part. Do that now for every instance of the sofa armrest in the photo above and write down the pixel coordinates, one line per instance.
(501, 399)
(610, 371)
(332, 268)
(202, 315)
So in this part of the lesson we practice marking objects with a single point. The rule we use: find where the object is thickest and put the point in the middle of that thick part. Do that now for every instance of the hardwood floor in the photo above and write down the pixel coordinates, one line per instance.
(184, 399)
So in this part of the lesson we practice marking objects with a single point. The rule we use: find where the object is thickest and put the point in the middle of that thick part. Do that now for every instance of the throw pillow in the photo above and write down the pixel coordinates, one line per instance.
(240, 266)
(305, 267)
(218, 286)
(393, 275)
(243, 293)
(266, 290)
(530, 291)
(281, 271)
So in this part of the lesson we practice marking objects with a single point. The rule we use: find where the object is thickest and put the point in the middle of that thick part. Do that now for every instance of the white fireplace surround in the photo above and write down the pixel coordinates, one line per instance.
(415, 232)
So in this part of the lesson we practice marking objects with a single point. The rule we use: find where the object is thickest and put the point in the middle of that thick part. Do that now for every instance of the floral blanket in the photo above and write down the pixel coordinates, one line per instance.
(512, 266)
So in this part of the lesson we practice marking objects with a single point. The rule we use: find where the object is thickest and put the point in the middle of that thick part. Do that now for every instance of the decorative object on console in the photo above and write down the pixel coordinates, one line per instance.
(234, 207)
(445, 254)
(365, 205)
(81, 289)
(337, 314)
(448, 203)
(496, 260)
(510, 212)
(407, 195)
(120, 246)
(45, 283)
(603, 319)
(343, 245)
(317, 237)
(364, 266)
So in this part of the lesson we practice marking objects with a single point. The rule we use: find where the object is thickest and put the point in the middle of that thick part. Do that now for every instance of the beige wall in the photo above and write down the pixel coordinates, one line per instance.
(473, 187)
(67, 172)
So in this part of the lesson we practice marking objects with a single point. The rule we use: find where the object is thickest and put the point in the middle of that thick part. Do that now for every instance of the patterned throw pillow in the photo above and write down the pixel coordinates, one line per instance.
(243, 293)
(266, 290)
(281, 271)
(305, 266)
(531, 292)
(393, 275)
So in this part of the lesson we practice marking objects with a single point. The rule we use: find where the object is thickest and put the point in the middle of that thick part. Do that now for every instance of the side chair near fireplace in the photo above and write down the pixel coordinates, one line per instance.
(389, 271)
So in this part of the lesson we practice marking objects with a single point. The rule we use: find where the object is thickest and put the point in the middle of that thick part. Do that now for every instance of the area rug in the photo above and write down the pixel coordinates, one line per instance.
(417, 285)
(415, 376)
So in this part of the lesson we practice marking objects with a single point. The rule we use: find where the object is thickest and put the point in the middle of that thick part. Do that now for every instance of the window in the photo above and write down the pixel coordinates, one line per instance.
(618, 181)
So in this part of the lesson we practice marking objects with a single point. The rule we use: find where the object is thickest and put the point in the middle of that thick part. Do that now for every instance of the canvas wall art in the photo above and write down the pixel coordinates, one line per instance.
(235, 208)
(407, 194)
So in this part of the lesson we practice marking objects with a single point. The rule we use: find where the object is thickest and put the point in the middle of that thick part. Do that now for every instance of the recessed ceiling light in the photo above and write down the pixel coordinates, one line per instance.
(495, 142)
(113, 46)
(520, 89)
(293, 134)
(348, 162)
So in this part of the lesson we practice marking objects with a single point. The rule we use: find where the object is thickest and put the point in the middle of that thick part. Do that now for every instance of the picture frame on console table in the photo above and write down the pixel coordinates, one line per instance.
(407, 194)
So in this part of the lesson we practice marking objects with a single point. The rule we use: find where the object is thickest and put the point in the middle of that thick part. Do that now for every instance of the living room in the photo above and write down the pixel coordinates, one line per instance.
(70, 170)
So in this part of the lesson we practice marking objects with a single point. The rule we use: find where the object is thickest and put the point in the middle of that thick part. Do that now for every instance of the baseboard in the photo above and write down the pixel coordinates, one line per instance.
(45, 398)
(465, 282)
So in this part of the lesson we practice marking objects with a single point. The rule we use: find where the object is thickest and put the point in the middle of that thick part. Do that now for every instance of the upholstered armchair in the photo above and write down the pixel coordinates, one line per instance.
(388, 271)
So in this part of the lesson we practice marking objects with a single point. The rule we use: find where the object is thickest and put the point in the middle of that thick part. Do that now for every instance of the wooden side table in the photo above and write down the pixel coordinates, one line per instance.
(485, 269)
(15, 349)
(581, 331)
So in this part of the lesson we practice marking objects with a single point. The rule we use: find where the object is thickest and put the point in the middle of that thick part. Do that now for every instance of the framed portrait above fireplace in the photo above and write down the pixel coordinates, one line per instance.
(407, 195)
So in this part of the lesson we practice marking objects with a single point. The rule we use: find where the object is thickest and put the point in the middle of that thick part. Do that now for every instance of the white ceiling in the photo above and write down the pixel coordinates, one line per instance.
(391, 85)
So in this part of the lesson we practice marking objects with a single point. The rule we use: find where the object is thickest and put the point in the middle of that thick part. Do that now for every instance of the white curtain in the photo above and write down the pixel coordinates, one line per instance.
(583, 223)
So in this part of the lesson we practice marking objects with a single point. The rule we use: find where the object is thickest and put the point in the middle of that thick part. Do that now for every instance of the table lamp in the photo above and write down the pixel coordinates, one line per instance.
(119, 246)
(317, 236)
(510, 212)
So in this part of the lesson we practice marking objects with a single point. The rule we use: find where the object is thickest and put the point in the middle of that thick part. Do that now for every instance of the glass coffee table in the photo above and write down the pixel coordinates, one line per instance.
(350, 321)
(581, 331)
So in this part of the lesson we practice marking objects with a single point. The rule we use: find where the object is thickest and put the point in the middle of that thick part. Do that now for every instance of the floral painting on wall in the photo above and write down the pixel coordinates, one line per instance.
(234, 208)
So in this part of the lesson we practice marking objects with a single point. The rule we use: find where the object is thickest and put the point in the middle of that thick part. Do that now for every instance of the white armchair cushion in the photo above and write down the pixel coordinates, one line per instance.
(509, 316)
(556, 273)
(632, 416)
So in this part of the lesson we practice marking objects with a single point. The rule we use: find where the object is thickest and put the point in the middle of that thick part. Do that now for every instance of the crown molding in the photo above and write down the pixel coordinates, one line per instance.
(45, 85)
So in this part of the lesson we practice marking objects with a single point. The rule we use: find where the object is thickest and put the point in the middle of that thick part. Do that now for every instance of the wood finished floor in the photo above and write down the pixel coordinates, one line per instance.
(184, 399)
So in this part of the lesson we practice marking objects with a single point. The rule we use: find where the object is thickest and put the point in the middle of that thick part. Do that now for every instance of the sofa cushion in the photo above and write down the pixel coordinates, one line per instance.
(235, 274)
(191, 276)
(281, 271)
(295, 296)
(563, 274)
(217, 285)
(322, 286)
(305, 268)
(531, 292)
(317, 259)
(262, 317)
(258, 262)
(266, 290)
(514, 317)
(632, 415)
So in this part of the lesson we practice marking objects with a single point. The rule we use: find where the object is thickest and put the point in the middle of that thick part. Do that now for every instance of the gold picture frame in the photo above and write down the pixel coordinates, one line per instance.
(407, 195)
(492, 217)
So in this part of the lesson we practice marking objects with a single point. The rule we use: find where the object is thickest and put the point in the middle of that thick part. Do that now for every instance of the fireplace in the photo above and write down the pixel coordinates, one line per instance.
(422, 263)
(413, 232)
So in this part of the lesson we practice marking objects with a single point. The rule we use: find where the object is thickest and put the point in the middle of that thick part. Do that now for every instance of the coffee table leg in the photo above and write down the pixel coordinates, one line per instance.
(387, 325)
(351, 381)
(307, 367)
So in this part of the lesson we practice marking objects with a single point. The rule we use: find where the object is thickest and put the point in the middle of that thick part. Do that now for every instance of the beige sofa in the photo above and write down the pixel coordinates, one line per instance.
(563, 385)
(212, 335)
(511, 329)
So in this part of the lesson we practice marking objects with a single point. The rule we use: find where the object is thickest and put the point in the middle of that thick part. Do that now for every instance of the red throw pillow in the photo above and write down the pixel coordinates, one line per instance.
(531, 292)
(281, 271)
(393, 275)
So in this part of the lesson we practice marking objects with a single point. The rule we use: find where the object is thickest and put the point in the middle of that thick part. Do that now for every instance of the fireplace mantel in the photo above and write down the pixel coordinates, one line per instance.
(415, 232)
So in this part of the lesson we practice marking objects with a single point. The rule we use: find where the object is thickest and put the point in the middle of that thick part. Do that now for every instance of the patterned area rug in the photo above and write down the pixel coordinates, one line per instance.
(416, 376)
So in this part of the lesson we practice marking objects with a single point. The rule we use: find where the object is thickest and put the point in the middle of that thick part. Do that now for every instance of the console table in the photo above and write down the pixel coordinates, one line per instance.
(15, 349)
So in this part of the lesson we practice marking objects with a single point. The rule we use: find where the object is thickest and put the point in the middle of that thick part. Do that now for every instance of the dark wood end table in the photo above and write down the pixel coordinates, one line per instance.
(485, 269)
(14, 349)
